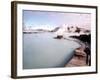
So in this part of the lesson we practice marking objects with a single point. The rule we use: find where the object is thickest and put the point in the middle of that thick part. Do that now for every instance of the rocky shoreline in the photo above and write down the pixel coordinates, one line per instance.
(82, 55)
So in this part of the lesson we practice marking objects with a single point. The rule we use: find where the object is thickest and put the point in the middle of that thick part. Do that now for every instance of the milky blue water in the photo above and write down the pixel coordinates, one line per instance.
(41, 50)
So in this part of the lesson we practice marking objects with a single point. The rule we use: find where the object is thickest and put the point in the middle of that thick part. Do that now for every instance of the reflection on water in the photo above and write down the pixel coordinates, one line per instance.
(41, 50)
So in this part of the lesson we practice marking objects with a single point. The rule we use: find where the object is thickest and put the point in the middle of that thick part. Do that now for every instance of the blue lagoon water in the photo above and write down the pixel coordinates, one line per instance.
(41, 50)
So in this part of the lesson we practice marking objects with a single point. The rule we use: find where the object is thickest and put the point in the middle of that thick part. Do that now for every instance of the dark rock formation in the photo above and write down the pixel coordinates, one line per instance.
(77, 30)
(84, 38)
(58, 37)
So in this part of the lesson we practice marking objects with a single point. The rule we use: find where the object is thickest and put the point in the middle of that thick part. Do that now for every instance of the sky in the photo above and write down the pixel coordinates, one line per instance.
(50, 19)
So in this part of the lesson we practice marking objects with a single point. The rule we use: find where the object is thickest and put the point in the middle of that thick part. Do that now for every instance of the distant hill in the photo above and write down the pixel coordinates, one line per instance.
(64, 29)
(56, 29)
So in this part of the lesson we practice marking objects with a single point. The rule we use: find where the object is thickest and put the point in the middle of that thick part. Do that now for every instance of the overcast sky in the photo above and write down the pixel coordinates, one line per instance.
(55, 19)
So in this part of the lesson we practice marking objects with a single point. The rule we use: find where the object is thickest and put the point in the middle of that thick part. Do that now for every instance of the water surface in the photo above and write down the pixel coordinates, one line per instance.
(41, 50)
